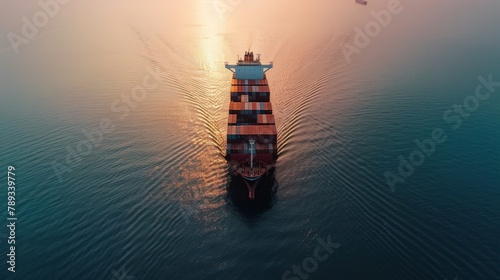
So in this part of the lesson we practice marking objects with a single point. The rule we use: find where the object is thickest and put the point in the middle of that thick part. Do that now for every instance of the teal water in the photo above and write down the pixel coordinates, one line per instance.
(152, 199)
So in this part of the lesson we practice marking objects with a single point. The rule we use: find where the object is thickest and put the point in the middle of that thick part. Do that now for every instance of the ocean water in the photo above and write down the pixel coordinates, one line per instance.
(114, 116)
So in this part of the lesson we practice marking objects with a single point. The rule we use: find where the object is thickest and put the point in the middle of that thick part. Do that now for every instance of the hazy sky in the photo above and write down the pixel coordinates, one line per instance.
(81, 33)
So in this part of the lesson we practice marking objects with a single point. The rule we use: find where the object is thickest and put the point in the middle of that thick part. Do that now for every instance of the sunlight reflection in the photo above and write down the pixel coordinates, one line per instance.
(210, 48)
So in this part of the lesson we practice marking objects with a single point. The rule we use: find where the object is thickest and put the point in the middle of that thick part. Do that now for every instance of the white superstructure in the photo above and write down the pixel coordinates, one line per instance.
(248, 68)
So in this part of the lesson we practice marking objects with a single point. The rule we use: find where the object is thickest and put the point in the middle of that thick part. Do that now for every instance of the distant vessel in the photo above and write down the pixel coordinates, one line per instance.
(251, 131)
(362, 2)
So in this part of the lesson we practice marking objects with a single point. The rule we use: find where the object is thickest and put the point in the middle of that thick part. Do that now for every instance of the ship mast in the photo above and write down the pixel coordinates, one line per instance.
(252, 150)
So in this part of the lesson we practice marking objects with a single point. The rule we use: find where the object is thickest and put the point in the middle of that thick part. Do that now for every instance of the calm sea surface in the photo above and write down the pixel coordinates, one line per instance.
(114, 116)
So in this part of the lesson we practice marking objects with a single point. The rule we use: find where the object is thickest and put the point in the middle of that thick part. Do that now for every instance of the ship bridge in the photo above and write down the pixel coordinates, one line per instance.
(249, 68)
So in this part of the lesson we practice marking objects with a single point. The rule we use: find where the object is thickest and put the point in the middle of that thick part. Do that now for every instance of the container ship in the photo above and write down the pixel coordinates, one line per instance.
(251, 131)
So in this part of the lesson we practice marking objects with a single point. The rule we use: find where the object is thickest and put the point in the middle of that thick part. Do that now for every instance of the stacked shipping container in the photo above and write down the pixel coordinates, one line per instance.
(250, 117)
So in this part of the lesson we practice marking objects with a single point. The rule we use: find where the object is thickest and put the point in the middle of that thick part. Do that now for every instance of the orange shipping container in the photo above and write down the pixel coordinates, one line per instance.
(231, 118)
(241, 88)
(253, 106)
(265, 118)
(251, 130)
(236, 82)
(245, 146)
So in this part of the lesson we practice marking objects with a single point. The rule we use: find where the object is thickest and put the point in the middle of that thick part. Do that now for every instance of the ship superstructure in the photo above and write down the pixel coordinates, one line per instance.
(251, 131)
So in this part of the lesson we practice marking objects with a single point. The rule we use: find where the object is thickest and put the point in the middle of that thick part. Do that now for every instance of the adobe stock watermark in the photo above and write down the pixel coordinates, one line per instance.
(455, 115)
(372, 29)
(310, 264)
(121, 274)
(40, 19)
(224, 6)
(94, 136)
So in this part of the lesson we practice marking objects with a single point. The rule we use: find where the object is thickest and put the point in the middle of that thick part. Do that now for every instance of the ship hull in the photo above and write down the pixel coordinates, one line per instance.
(252, 183)
(251, 178)
(251, 132)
